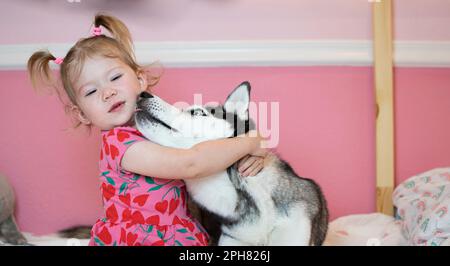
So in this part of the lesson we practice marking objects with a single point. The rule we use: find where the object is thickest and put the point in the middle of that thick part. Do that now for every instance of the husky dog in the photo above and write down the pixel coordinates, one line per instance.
(274, 207)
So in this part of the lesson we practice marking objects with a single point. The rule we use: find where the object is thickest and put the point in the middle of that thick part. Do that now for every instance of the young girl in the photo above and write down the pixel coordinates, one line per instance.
(144, 196)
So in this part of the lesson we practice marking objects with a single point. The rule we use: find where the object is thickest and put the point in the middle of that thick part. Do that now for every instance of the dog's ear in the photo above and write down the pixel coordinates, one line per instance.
(238, 101)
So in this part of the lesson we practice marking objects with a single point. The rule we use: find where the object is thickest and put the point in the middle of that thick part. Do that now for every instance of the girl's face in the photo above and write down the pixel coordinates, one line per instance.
(106, 92)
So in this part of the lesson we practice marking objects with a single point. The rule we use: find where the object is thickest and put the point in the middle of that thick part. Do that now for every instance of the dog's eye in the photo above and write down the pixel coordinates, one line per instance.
(198, 112)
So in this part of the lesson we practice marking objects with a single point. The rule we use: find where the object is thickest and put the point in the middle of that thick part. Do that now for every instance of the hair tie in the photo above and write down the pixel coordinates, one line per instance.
(97, 31)
(58, 60)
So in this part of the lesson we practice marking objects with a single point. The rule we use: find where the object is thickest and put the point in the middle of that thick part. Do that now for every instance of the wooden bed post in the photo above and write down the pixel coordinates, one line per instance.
(383, 74)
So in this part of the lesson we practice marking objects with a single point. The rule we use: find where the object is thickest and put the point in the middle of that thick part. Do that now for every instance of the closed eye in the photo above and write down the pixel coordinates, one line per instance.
(90, 92)
(116, 77)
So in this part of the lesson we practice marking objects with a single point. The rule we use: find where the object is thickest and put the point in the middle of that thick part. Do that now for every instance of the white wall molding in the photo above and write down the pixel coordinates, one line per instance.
(256, 53)
(422, 54)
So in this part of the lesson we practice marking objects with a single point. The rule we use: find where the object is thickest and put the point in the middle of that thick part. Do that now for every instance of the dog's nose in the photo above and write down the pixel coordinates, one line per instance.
(145, 94)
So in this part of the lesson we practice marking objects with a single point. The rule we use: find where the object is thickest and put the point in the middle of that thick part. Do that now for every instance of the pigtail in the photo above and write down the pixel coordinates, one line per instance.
(118, 30)
(39, 70)
(42, 77)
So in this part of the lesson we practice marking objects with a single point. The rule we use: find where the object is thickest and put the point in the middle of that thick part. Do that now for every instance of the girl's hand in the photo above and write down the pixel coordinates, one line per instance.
(250, 165)
(259, 150)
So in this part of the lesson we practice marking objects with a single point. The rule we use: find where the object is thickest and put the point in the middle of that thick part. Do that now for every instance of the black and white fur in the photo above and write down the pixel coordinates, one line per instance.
(9, 231)
(275, 207)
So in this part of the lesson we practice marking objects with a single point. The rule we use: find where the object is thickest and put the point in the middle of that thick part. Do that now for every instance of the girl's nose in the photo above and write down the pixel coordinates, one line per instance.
(109, 93)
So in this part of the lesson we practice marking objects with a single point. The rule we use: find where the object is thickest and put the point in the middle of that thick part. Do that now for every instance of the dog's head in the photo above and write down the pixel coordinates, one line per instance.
(167, 125)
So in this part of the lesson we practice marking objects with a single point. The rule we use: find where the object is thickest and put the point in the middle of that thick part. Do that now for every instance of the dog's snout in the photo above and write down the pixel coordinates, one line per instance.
(145, 94)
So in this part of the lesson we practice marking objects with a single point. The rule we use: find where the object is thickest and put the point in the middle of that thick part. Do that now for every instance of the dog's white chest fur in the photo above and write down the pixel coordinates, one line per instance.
(260, 187)
(215, 191)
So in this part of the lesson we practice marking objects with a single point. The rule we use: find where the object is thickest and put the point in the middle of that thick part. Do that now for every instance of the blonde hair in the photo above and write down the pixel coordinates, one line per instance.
(119, 46)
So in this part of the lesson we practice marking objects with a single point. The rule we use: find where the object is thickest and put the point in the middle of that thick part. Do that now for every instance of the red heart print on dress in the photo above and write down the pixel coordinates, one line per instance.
(131, 238)
(111, 213)
(161, 206)
(141, 199)
(121, 136)
(201, 237)
(183, 197)
(158, 243)
(177, 220)
(111, 132)
(126, 215)
(137, 218)
(190, 226)
(125, 198)
(105, 145)
(173, 205)
(105, 236)
(108, 191)
(123, 235)
(114, 151)
(152, 220)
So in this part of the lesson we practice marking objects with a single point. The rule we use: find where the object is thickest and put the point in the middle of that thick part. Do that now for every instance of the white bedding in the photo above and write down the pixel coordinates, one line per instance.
(373, 229)
(423, 203)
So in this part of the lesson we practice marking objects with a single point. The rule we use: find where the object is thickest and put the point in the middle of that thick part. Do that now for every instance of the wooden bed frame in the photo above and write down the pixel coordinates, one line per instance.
(384, 91)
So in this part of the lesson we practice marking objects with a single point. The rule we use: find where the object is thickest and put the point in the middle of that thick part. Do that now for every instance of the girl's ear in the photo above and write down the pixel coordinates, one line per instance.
(78, 114)
(142, 81)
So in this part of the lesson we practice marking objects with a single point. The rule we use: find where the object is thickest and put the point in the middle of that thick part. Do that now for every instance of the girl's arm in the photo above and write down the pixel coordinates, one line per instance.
(206, 158)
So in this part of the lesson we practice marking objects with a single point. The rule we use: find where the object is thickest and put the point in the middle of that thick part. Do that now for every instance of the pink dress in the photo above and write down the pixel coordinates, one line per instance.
(140, 210)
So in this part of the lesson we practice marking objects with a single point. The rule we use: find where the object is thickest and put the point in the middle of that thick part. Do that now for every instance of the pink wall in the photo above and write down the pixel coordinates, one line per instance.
(185, 20)
(422, 120)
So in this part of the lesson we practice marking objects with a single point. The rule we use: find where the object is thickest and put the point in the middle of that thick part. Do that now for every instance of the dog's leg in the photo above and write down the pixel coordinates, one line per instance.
(11, 233)
(294, 230)
(226, 240)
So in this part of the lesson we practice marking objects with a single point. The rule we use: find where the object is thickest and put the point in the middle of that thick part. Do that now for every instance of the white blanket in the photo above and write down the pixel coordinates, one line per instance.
(423, 203)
